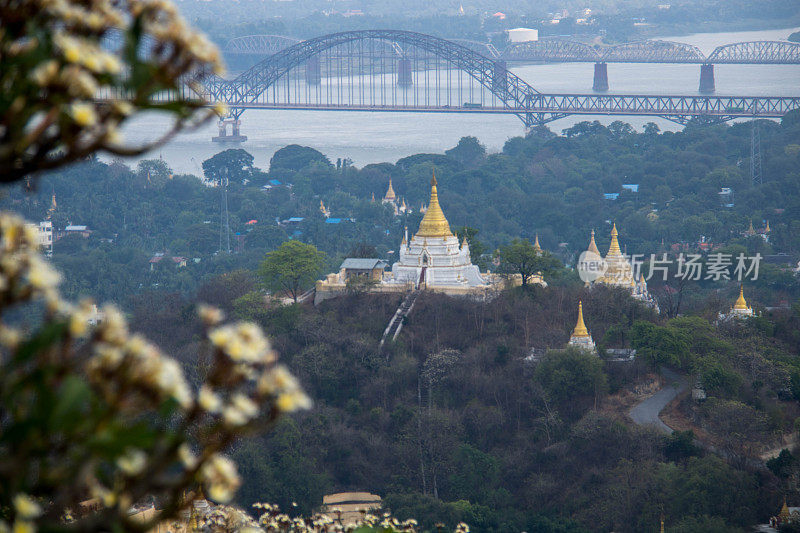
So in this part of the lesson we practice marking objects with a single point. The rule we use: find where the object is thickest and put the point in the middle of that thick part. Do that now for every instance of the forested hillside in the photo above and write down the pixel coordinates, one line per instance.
(451, 423)
(543, 183)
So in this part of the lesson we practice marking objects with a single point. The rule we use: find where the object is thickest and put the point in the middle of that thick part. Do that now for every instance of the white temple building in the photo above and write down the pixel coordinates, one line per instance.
(434, 258)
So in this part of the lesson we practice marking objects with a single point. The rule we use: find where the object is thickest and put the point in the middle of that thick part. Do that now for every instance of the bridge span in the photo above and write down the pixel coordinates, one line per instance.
(393, 70)
(564, 50)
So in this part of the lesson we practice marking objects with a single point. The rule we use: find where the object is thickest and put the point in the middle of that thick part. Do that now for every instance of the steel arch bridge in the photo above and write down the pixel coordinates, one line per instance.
(393, 70)
(763, 52)
(431, 55)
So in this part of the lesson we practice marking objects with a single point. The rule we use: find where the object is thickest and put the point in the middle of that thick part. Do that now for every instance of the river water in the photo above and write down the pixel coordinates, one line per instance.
(371, 137)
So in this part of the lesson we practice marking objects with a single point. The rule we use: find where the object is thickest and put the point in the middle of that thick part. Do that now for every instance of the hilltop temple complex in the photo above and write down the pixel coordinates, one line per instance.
(432, 259)
(740, 309)
(391, 199)
(619, 271)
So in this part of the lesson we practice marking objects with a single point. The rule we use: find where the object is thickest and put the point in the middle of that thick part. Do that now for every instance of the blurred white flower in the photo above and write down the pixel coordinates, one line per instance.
(25, 507)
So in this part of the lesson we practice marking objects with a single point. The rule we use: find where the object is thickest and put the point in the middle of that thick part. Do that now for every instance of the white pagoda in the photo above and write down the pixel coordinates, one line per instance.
(433, 258)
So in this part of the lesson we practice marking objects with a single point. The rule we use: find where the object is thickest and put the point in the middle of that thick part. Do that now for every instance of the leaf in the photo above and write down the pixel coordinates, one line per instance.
(41, 341)
(74, 395)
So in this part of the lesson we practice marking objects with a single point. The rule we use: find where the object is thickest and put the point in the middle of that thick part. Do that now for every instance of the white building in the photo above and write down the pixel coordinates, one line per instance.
(45, 235)
(522, 35)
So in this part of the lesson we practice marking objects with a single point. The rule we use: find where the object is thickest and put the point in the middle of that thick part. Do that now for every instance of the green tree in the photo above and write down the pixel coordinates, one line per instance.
(573, 378)
(659, 345)
(521, 257)
(476, 247)
(234, 164)
(468, 151)
(296, 157)
(153, 173)
(292, 267)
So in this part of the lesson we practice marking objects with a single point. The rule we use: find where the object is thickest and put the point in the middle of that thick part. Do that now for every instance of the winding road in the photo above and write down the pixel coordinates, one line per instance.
(646, 412)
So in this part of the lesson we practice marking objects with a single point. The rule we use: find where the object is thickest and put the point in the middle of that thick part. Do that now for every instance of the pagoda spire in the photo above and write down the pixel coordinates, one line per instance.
(593, 246)
(580, 328)
(613, 249)
(536, 244)
(741, 303)
(434, 223)
(390, 196)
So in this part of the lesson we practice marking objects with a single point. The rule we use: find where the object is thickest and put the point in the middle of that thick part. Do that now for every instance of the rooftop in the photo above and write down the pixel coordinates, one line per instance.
(358, 263)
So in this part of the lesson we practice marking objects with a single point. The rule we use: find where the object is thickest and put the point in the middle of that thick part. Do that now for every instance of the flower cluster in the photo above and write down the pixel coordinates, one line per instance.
(75, 71)
(103, 412)
(272, 520)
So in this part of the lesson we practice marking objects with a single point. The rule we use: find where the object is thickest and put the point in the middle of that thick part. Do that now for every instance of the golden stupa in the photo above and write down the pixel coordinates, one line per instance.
(580, 328)
(434, 223)
(536, 245)
(389, 196)
(580, 337)
(613, 249)
(741, 303)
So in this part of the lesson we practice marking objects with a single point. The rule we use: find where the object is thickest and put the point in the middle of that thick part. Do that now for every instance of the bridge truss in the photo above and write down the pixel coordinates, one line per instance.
(653, 51)
(392, 70)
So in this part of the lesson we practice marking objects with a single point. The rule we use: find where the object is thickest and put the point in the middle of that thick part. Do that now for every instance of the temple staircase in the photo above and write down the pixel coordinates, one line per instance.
(396, 323)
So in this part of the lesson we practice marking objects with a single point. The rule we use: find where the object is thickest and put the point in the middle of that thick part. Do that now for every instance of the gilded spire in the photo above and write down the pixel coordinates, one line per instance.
(751, 230)
(405, 232)
(741, 303)
(766, 228)
(614, 250)
(536, 244)
(592, 246)
(390, 196)
(373, 197)
(580, 328)
(53, 206)
(434, 223)
(784, 514)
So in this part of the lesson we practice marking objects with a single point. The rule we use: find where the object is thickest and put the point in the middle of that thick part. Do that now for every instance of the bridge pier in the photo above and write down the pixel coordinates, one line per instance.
(600, 77)
(404, 78)
(500, 76)
(313, 71)
(234, 137)
(707, 78)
